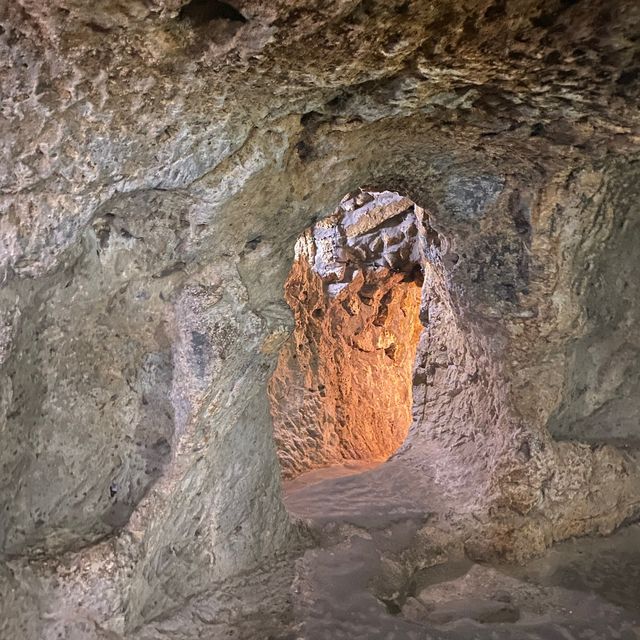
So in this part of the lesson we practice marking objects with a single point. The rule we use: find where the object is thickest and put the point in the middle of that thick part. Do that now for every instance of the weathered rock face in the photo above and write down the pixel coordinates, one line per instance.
(490, 373)
(159, 158)
(342, 386)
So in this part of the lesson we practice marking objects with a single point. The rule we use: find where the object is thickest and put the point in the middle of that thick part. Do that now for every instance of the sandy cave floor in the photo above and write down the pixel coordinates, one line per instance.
(386, 565)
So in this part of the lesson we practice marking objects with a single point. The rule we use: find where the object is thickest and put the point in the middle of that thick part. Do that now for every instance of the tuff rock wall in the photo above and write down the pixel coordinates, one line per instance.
(158, 161)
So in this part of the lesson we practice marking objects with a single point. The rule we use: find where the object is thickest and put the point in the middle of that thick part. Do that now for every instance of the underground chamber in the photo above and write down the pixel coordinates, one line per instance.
(421, 421)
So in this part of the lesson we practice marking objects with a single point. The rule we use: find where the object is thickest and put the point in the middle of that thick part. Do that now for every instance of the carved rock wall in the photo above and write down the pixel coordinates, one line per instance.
(491, 373)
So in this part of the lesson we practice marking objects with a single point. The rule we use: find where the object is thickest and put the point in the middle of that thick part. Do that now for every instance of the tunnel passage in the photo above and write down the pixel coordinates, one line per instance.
(342, 388)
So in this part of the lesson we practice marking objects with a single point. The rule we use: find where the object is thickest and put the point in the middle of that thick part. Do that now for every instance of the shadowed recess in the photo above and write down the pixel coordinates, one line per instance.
(201, 12)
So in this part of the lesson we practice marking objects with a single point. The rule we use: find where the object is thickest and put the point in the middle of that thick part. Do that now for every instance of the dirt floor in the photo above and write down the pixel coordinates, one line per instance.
(389, 563)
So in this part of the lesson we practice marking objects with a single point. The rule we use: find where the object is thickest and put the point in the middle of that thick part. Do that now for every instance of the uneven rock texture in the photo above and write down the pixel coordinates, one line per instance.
(342, 386)
(159, 159)
(387, 564)
(489, 374)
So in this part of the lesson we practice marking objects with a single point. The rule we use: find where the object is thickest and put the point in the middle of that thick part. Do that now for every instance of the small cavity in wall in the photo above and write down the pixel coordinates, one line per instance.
(342, 387)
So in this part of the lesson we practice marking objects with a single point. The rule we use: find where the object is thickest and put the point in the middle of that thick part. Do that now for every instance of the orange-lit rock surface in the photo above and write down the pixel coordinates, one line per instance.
(342, 386)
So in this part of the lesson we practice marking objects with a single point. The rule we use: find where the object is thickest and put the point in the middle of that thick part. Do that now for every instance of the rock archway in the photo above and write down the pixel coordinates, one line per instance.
(341, 391)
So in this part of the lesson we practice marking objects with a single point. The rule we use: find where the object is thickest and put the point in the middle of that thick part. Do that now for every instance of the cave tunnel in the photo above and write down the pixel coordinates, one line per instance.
(341, 391)
(319, 320)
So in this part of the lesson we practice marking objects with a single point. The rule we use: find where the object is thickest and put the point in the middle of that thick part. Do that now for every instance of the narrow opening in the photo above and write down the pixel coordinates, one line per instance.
(200, 12)
(341, 393)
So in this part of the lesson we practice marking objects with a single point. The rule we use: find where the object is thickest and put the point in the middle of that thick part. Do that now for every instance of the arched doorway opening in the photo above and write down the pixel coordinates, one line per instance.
(342, 389)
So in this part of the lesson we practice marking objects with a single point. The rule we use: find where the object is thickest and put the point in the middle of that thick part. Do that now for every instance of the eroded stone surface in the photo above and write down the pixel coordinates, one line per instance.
(158, 163)
(383, 567)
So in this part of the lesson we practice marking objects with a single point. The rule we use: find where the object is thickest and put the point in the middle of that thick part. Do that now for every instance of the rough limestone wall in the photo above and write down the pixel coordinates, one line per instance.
(602, 374)
(149, 154)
